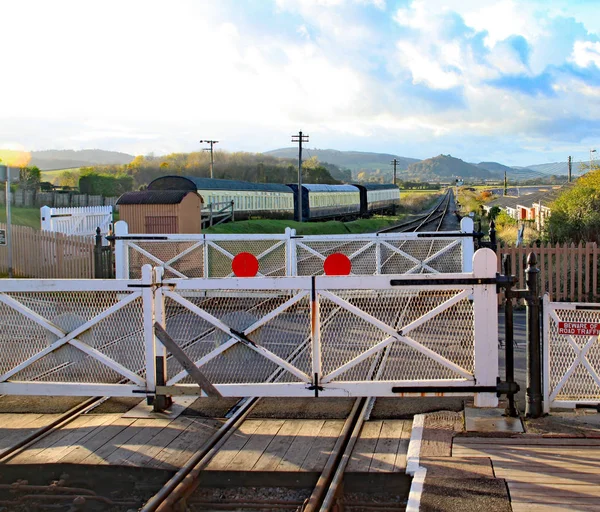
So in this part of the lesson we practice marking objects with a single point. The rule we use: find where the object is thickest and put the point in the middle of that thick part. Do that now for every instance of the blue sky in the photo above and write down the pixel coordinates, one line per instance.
(502, 80)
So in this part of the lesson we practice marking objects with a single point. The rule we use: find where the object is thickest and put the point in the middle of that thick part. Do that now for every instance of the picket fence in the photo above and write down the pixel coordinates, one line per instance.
(48, 255)
(568, 272)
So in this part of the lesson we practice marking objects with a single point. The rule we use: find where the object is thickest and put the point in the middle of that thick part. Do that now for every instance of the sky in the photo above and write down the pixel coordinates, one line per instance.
(516, 82)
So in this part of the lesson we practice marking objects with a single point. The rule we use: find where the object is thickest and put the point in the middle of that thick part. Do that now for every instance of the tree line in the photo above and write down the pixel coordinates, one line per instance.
(253, 167)
(575, 213)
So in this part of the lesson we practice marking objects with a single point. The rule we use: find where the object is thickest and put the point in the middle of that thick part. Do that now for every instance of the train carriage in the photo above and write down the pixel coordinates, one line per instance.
(260, 199)
(321, 202)
(378, 198)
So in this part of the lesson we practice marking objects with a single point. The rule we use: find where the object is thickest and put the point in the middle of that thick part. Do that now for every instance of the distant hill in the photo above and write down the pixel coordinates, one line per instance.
(356, 161)
(62, 159)
(444, 167)
(558, 168)
(512, 173)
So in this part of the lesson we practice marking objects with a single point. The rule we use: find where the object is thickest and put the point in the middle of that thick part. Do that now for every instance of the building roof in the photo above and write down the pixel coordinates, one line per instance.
(196, 183)
(329, 188)
(503, 202)
(377, 186)
(528, 200)
(153, 197)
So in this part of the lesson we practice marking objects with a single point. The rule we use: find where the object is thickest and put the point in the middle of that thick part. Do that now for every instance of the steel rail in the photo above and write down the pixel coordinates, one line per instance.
(400, 228)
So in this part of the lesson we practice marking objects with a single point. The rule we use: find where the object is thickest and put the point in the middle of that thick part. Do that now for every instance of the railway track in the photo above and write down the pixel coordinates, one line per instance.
(437, 213)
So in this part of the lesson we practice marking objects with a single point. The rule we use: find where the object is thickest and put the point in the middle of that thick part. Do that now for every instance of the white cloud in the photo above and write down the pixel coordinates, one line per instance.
(586, 53)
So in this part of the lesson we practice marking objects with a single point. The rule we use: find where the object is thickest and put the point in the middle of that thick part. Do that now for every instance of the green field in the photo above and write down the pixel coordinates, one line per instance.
(332, 227)
(22, 216)
(53, 175)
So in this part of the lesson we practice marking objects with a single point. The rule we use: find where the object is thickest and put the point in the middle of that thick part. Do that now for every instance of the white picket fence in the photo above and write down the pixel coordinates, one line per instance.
(77, 221)
(289, 254)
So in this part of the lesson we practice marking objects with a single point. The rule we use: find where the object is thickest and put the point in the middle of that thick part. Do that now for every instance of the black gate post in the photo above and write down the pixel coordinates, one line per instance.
(98, 267)
(509, 348)
(493, 241)
(103, 257)
(534, 364)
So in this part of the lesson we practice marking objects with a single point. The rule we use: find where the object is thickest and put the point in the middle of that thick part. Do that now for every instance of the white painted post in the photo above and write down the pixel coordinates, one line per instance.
(148, 312)
(46, 218)
(289, 248)
(485, 304)
(546, 353)
(378, 269)
(468, 244)
(293, 253)
(205, 255)
(159, 311)
(121, 251)
(315, 336)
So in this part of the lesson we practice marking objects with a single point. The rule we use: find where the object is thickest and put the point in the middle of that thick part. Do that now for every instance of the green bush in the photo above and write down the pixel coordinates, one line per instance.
(107, 185)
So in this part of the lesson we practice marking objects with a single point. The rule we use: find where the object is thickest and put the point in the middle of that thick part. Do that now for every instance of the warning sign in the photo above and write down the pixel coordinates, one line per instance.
(579, 328)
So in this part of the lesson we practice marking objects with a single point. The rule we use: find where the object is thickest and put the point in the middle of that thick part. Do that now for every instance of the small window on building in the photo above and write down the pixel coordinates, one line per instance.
(163, 224)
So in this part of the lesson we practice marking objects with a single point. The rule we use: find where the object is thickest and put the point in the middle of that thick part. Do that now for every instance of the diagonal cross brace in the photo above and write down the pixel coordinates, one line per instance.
(185, 361)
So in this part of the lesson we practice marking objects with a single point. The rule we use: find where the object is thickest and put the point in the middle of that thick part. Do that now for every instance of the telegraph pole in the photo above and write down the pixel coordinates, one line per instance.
(394, 162)
(5, 174)
(300, 139)
(211, 142)
(569, 174)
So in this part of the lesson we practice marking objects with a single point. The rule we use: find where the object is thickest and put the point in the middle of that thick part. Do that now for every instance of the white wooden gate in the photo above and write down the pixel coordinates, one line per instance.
(571, 354)
(288, 336)
(84, 337)
(207, 256)
(77, 221)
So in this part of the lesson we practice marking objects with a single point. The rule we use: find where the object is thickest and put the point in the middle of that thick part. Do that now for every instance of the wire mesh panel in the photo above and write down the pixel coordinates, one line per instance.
(270, 253)
(69, 336)
(239, 336)
(571, 353)
(179, 258)
(398, 254)
(427, 334)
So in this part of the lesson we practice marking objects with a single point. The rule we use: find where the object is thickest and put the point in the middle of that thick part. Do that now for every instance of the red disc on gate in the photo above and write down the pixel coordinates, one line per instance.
(337, 264)
(245, 265)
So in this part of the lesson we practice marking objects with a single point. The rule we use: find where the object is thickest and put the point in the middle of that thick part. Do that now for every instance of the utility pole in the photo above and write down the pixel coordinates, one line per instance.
(394, 162)
(5, 174)
(505, 185)
(591, 151)
(300, 139)
(212, 143)
(569, 173)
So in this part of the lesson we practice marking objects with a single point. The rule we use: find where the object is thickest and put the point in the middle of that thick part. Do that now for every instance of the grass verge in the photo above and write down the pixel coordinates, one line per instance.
(22, 216)
(332, 227)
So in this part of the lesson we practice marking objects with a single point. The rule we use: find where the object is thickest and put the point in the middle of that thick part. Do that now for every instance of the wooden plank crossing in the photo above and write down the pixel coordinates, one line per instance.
(381, 447)
(16, 427)
(543, 474)
(258, 445)
(109, 439)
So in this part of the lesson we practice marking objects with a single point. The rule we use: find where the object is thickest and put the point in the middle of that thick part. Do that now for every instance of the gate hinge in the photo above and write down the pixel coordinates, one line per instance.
(506, 388)
(503, 281)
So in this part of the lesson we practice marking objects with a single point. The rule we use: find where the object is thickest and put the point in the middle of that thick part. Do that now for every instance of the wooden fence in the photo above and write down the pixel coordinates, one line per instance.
(568, 272)
(44, 254)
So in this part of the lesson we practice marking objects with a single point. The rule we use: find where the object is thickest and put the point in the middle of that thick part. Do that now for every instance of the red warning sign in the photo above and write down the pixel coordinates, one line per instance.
(579, 328)
(244, 265)
(337, 264)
